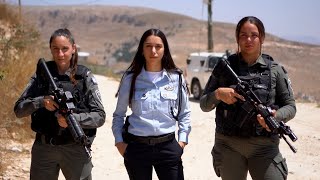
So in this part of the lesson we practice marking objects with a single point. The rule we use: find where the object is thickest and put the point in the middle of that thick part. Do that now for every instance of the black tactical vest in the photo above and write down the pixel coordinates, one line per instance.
(235, 119)
(44, 121)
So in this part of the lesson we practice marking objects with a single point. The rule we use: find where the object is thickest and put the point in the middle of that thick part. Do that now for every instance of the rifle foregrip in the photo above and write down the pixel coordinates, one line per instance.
(287, 131)
(78, 134)
(268, 117)
(75, 129)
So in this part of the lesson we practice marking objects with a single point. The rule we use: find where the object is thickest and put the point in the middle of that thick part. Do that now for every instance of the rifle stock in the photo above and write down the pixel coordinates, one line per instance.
(65, 101)
(223, 68)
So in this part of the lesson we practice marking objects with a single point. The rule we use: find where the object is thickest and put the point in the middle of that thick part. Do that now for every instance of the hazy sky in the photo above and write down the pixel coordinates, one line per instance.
(291, 19)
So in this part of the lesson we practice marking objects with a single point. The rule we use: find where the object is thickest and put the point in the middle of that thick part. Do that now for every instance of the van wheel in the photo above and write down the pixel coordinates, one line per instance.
(196, 90)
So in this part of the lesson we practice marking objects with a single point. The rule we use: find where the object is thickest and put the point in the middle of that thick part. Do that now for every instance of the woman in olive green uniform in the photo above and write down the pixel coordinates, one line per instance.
(244, 142)
(54, 148)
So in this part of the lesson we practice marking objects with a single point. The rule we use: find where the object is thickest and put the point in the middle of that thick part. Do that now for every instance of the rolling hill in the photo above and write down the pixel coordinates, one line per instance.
(111, 35)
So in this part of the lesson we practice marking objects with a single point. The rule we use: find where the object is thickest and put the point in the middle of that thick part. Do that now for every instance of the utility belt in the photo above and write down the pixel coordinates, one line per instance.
(54, 140)
(150, 140)
(246, 133)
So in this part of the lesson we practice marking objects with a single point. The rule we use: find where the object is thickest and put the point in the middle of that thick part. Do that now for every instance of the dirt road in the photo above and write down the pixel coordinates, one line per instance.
(108, 164)
(305, 164)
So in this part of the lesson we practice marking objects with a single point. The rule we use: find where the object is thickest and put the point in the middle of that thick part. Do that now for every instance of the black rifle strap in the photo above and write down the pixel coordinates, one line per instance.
(180, 95)
(179, 98)
(126, 124)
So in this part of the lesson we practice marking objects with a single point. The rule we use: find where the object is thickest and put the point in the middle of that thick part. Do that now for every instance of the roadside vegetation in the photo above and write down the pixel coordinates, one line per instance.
(20, 49)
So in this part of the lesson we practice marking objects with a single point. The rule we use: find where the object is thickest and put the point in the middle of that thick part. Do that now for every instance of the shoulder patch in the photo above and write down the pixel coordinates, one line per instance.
(289, 85)
(97, 92)
(266, 56)
(82, 70)
(94, 80)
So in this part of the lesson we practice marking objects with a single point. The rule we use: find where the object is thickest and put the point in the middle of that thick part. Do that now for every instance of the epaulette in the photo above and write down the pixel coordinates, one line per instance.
(266, 56)
(177, 70)
(82, 70)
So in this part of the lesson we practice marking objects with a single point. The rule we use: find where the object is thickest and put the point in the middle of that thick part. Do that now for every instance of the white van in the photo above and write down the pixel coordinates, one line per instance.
(199, 68)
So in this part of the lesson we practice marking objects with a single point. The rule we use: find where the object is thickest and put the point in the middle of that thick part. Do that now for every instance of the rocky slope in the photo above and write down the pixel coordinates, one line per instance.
(111, 34)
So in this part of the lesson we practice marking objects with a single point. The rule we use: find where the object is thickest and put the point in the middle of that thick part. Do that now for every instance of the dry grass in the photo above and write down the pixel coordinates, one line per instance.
(19, 47)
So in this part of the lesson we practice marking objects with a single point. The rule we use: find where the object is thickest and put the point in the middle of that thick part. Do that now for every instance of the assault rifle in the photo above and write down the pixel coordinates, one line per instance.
(253, 103)
(65, 101)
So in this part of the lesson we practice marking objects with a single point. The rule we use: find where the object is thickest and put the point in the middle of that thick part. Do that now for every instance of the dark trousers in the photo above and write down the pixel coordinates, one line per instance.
(47, 160)
(164, 157)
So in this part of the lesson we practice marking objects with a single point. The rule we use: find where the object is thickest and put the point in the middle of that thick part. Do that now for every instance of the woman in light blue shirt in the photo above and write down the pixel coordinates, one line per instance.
(155, 90)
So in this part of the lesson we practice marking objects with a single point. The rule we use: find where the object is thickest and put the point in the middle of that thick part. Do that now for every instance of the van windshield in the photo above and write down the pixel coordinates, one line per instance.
(213, 61)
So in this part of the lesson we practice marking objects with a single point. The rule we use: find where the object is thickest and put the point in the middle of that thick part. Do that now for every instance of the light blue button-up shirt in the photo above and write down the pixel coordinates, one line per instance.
(151, 107)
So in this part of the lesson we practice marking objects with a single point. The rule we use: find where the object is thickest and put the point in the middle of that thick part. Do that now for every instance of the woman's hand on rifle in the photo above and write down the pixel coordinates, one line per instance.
(49, 103)
(227, 95)
(263, 123)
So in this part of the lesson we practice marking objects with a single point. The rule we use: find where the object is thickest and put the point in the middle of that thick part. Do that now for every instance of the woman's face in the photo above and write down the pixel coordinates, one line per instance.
(62, 50)
(249, 39)
(153, 49)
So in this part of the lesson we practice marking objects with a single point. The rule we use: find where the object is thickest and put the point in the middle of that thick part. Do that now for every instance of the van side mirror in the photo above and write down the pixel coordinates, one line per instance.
(188, 61)
(202, 63)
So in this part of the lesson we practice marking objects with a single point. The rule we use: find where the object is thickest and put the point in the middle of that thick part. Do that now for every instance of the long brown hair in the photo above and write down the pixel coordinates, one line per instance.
(139, 60)
(74, 59)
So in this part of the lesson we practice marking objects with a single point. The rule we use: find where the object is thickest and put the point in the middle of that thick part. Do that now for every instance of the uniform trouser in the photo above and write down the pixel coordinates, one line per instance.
(233, 157)
(164, 157)
(47, 160)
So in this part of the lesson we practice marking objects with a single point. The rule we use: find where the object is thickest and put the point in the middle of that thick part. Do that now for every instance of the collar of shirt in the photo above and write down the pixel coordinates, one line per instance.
(260, 61)
(165, 75)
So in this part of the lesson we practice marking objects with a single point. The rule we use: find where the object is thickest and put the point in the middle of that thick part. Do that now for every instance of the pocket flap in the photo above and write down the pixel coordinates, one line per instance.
(169, 95)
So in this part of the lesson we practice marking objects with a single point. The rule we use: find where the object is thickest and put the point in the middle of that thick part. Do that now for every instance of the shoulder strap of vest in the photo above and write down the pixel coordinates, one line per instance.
(233, 61)
(42, 79)
(82, 71)
(51, 66)
(267, 57)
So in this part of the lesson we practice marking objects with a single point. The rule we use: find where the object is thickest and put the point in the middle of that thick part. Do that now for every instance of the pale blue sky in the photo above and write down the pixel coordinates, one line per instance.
(291, 19)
